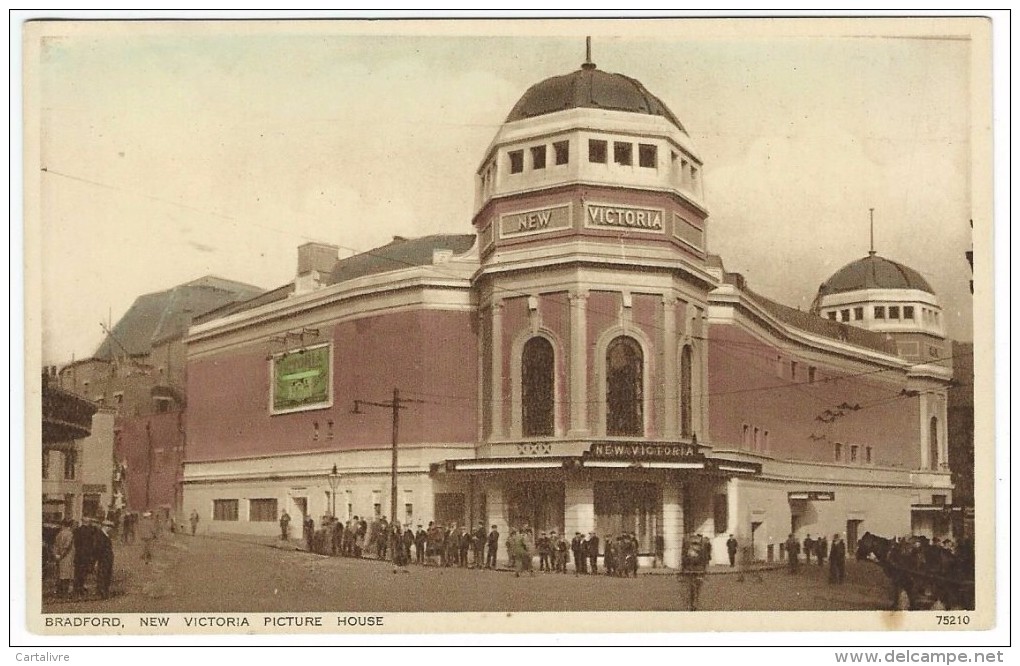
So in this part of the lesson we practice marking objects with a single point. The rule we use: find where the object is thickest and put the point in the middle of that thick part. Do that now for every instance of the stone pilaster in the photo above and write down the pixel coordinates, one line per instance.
(578, 364)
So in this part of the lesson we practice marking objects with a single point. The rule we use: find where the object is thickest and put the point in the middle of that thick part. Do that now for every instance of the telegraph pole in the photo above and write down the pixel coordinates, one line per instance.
(396, 404)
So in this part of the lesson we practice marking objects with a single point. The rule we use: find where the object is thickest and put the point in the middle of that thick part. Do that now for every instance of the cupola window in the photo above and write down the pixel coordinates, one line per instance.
(562, 150)
(597, 150)
(879, 312)
(538, 157)
(858, 314)
(894, 312)
(844, 315)
(832, 315)
(647, 155)
(623, 153)
(908, 311)
(516, 161)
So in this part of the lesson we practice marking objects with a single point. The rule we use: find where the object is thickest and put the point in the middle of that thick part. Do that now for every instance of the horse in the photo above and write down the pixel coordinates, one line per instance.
(873, 546)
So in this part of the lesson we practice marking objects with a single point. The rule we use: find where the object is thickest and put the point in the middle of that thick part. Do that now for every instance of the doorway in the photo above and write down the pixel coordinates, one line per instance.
(852, 528)
(300, 513)
(754, 528)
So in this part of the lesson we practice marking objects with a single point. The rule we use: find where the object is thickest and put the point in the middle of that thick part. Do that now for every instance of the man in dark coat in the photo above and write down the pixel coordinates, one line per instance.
(576, 548)
(421, 539)
(492, 546)
(309, 532)
(84, 555)
(478, 545)
(103, 546)
(731, 550)
(593, 553)
(792, 553)
(284, 526)
(809, 547)
(465, 547)
(837, 560)
(821, 549)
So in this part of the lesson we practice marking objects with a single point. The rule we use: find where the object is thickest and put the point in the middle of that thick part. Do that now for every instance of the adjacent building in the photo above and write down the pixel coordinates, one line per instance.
(578, 362)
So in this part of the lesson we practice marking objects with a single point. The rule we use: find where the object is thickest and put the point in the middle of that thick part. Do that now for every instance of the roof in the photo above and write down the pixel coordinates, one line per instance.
(165, 315)
(399, 253)
(590, 87)
(812, 323)
(873, 272)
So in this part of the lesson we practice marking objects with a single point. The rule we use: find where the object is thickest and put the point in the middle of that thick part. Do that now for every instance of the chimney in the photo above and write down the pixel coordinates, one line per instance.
(315, 262)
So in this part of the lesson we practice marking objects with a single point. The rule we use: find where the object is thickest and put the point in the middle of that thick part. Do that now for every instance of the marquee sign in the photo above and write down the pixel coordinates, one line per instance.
(814, 496)
(644, 451)
(301, 380)
(628, 218)
(537, 221)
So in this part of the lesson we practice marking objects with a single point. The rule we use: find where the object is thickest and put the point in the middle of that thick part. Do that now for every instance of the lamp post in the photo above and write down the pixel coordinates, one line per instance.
(334, 482)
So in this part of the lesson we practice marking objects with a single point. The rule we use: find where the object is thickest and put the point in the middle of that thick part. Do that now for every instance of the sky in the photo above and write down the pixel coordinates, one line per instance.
(170, 152)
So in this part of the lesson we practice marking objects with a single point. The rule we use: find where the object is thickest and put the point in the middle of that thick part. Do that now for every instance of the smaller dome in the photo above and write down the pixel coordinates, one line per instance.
(873, 272)
(590, 88)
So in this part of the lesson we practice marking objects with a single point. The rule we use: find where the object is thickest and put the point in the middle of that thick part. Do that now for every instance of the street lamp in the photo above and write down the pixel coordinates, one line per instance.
(334, 481)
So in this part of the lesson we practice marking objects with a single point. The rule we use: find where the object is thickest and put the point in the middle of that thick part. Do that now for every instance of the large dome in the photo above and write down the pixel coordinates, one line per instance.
(873, 272)
(590, 88)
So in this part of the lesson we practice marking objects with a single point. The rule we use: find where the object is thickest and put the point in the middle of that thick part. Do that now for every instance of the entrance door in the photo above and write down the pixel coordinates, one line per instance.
(300, 513)
(754, 528)
(851, 535)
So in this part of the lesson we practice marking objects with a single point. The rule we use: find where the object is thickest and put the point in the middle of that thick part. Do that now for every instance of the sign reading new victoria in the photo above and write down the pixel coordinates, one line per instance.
(628, 218)
(301, 380)
(536, 221)
(662, 451)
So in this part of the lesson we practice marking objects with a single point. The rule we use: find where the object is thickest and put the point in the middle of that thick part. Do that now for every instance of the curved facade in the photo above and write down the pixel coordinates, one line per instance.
(583, 364)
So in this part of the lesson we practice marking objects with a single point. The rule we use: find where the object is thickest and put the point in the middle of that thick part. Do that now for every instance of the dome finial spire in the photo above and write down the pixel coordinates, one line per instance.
(588, 64)
(871, 252)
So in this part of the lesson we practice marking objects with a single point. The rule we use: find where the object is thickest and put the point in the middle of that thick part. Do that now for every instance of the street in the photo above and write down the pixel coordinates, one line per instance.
(220, 574)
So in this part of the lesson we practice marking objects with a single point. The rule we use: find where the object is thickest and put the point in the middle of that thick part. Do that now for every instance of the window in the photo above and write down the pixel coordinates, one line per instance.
(537, 399)
(867, 454)
(894, 312)
(262, 510)
(162, 405)
(623, 153)
(516, 161)
(879, 312)
(224, 509)
(648, 155)
(562, 150)
(832, 315)
(538, 157)
(793, 370)
(853, 453)
(377, 509)
(811, 374)
(597, 150)
(757, 440)
(70, 464)
(858, 314)
(933, 443)
(765, 440)
(838, 452)
(720, 514)
(938, 500)
(45, 464)
(408, 514)
(686, 388)
(908, 311)
(694, 176)
(624, 388)
(844, 315)
(746, 439)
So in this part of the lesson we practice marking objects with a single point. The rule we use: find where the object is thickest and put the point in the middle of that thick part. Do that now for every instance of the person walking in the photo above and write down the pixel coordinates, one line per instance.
(731, 550)
(285, 526)
(103, 545)
(492, 546)
(194, 521)
(63, 551)
(837, 560)
(792, 553)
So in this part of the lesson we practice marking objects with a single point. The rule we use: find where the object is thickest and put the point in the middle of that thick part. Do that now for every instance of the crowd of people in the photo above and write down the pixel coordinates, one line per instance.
(458, 546)
(821, 550)
(76, 553)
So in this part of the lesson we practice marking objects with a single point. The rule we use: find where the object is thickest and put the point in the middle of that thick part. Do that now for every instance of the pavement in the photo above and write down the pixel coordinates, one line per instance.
(227, 573)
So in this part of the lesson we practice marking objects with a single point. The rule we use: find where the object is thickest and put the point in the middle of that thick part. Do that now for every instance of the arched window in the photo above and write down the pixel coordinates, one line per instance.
(537, 399)
(933, 443)
(686, 386)
(624, 388)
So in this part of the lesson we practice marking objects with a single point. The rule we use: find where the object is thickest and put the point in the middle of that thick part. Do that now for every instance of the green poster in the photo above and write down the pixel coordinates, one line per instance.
(301, 379)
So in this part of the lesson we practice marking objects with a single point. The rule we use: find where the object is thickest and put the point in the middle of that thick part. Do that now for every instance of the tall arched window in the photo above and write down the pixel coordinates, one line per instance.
(933, 443)
(686, 386)
(624, 388)
(537, 399)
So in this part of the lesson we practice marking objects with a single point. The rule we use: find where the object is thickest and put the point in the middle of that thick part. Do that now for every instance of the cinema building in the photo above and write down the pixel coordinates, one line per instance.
(579, 362)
